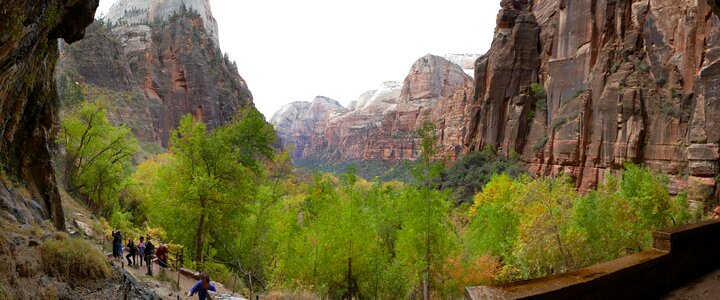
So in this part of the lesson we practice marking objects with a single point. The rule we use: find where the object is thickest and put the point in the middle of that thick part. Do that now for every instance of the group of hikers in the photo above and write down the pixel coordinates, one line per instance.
(145, 250)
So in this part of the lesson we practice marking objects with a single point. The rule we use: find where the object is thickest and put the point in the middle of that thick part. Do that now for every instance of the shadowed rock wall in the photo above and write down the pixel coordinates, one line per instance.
(28, 94)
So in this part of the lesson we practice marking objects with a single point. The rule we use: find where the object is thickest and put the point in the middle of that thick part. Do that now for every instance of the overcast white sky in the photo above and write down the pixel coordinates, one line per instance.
(290, 50)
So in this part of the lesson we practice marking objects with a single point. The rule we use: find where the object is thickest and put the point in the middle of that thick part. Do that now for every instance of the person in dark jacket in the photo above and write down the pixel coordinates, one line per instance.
(132, 251)
(149, 251)
(202, 287)
(117, 243)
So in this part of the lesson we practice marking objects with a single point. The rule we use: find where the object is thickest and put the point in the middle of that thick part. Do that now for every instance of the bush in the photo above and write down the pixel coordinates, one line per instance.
(540, 144)
(73, 259)
(468, 175)
(579, 93)
(540, 95)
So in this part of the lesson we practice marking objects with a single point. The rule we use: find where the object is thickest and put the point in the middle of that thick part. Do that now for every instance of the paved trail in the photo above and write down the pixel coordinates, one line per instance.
(166, 290)
(706, 287)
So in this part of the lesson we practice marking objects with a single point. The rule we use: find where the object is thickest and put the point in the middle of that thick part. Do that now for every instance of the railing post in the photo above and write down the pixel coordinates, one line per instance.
(232, 293)
(125, 290)
(177, 267)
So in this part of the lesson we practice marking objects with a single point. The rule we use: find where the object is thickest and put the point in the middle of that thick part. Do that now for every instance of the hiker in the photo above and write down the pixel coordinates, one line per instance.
(149, 251)
(161, 253)
(117, 243)
(202, 287)
(141, 249)
(131, 252)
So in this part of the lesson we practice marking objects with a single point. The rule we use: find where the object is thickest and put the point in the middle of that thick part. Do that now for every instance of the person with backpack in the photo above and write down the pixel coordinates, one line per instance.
(202, 287)
(131, 252)
(161, 253)
(149, 251)
(141, 249)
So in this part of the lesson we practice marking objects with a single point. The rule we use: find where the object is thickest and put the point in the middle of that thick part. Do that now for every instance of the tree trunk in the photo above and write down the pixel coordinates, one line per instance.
(199, 233)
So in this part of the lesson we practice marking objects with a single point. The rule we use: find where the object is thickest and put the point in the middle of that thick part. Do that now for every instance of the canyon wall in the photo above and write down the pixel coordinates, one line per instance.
(137, 12)
(381, 124)
(573, 87)
(152, 73)
(29, 101)
(621, 81)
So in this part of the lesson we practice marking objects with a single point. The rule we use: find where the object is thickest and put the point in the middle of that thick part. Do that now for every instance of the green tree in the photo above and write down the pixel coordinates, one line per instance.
(436, 210)
(211, 177)
(467, 176)
(99, 155)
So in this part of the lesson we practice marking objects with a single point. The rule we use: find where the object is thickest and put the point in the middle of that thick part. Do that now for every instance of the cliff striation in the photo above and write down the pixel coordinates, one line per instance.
(615, 82)
(381, 124)
(573, 87)
(29, 102)
(151, 73)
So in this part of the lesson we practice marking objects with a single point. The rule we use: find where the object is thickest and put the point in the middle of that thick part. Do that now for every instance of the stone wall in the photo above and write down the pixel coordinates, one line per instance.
(679, 255)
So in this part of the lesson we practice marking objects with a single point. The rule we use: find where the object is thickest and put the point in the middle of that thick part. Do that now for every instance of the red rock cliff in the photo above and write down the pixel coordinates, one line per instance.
(151, 74)
(381, 125)
(625, 81)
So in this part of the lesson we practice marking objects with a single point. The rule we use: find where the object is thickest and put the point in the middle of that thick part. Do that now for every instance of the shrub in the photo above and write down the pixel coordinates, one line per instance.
(540, 144)
(674, 92)
(468, 175)
(73, 258)
(661, 81)
(580, 92)
(559, 122)
(538, 91)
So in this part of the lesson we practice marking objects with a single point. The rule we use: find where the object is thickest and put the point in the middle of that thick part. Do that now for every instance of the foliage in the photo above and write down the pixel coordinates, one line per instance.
(538, 91)
(540, 144)
(342, 236)
(99, 155)
(208, 180)
(73, 259)
(367, 169)
(579, 93)
(71, 93)
(538, 227)
(467, 176)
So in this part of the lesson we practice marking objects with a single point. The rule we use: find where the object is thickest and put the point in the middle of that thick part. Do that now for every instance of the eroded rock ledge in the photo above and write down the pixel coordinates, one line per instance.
(28, 94)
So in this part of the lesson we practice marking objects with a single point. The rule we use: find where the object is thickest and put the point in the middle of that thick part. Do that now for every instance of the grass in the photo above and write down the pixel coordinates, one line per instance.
(73, 259)
(3, 293)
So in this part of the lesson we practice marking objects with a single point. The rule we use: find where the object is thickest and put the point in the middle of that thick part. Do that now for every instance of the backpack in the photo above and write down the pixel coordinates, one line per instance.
(149, 249)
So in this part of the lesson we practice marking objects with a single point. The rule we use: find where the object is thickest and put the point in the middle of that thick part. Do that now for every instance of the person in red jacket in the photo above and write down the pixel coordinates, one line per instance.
(161, 253)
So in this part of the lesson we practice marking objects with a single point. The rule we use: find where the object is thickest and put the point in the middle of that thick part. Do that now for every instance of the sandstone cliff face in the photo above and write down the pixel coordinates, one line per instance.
(574, 87)
(151, 74)
(136, 12)
(28, 99)
(295, 122)
(381, 124)
(625, 81)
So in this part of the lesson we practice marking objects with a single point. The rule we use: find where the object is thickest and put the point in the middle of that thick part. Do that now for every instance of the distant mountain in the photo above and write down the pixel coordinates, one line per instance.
(153, 62)
(381, 124)
(571, 87)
